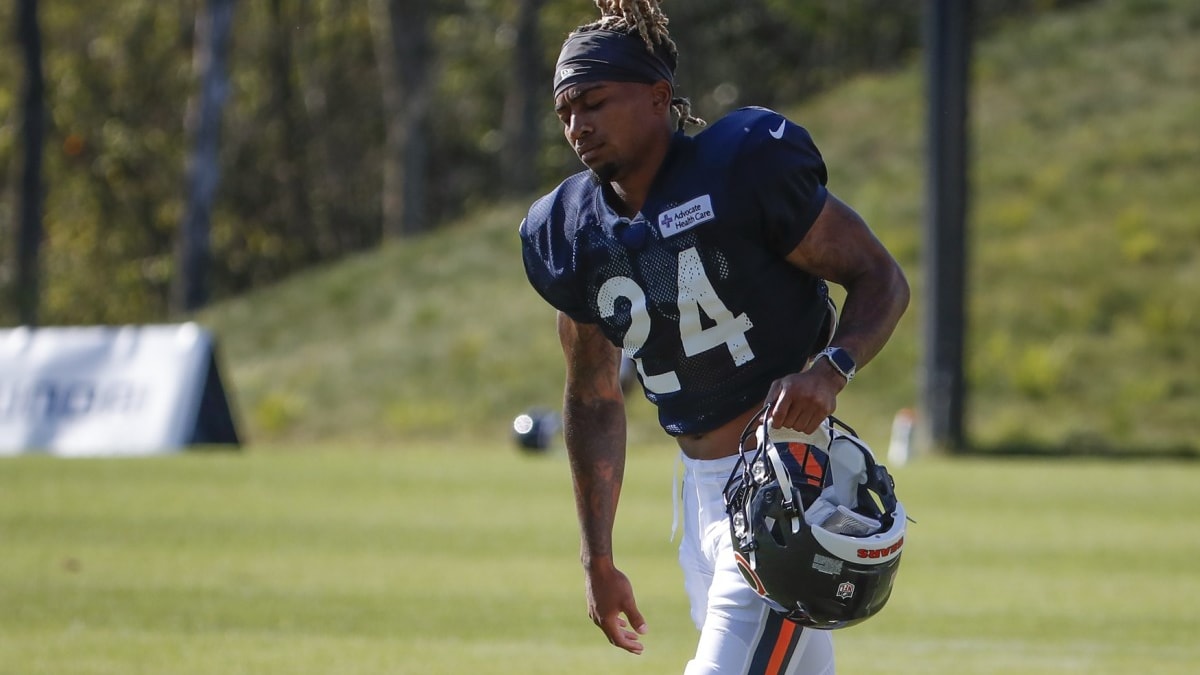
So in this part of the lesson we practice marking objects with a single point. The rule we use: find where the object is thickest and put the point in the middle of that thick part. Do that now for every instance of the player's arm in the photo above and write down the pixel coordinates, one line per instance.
(594, 429)
(841, 248)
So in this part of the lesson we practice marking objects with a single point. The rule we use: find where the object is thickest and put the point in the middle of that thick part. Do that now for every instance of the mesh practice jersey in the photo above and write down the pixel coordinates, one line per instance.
(695, 287)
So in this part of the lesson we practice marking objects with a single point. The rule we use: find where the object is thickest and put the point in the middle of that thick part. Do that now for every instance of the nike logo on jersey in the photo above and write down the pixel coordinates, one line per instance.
(686, 216)
(778, 133)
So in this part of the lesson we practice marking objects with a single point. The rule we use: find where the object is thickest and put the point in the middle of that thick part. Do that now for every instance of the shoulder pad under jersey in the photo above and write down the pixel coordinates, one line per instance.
(738, 132)
(548, 240)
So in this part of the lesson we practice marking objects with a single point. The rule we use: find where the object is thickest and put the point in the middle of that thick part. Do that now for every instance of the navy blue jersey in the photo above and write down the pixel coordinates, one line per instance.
(695, 288)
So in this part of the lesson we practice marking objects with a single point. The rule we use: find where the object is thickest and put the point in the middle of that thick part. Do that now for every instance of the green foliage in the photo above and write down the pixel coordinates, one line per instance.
(1083, 252)
(453, 559)
(439, 335)
(1088, 289)
(302, 133)
(299, 156)
(1079, 339)
(113, 158)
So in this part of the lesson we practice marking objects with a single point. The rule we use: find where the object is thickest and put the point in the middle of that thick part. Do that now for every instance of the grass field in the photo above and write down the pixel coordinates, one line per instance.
(448, 559)
(346, 541)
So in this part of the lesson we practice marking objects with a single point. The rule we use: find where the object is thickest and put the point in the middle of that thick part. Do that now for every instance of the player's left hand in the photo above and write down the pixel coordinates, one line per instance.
(803, 400)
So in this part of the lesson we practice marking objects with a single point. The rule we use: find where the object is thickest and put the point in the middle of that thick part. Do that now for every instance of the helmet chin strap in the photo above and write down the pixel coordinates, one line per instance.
(785, 486)
(767, 449)
(848, 466)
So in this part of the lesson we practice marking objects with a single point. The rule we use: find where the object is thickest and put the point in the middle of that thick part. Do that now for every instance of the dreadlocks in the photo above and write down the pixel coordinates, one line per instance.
(645, 18)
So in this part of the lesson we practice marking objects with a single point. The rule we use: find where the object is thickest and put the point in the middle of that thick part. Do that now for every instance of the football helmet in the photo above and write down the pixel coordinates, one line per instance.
(534, 430)
(819, 536)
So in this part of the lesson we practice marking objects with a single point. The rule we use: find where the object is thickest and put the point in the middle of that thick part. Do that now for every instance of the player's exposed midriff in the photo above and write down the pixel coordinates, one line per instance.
(719, 442)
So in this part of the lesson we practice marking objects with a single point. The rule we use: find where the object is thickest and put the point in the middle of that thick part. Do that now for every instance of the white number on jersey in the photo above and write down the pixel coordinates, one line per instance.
(696, 292)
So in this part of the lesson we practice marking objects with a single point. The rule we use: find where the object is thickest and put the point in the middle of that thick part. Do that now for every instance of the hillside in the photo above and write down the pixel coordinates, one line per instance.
(1084, 257)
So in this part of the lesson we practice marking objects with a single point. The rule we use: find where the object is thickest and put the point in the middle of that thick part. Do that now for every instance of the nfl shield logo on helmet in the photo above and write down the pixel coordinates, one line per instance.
(845, 590)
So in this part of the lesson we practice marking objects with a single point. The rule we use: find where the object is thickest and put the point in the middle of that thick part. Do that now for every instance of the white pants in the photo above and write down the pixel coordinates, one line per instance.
(739, 634)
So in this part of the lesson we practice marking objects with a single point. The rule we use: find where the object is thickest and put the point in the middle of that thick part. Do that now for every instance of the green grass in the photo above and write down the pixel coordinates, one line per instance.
(1084, 288)
(451, 559)
(369, 529)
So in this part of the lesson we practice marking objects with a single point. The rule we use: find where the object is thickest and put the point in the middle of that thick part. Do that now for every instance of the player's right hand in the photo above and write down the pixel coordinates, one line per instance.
(802, 401)
(613, 609)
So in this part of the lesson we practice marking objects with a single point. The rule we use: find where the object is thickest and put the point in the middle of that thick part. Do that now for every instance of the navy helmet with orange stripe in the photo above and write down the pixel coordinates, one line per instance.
(818, 536)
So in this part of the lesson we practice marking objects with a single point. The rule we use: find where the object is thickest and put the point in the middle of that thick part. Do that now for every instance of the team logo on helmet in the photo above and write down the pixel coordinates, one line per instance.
(743, 566)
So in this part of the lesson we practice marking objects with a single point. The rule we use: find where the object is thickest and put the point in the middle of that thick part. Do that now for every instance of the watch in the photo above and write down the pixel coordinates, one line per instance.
(840, 359)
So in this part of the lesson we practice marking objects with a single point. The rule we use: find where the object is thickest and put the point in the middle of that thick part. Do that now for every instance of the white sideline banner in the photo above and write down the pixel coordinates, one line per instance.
(110, 390)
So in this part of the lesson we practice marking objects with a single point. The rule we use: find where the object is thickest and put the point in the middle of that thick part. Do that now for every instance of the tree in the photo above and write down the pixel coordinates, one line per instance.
(523, 107)
(311, 153)
(401, 30)
(291, 168)
(29, 233)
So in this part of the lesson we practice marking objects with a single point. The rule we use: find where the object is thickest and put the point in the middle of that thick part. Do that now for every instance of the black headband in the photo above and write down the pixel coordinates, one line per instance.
(609, 56)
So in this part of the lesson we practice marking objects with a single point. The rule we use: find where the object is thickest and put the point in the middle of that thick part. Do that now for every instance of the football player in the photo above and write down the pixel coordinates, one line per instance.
(703, 258)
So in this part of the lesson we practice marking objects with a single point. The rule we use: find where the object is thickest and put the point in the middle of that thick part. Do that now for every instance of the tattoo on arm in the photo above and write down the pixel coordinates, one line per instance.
(594, 430)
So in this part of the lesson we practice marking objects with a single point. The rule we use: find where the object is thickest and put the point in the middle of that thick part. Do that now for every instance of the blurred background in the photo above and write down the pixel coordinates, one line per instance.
(351, 175)
(332, 188)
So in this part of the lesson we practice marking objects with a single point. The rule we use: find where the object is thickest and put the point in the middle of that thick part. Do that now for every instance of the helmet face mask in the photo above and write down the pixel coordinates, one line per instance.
(820, 563)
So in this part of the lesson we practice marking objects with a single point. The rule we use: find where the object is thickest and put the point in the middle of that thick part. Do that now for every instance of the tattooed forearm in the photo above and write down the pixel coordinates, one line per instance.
(594, 431)
(595, 437)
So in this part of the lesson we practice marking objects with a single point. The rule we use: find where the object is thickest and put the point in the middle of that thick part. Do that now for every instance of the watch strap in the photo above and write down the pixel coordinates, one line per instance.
(840, 359)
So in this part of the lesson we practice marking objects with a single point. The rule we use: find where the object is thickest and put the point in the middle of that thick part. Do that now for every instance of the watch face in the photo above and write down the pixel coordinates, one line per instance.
(842, 360)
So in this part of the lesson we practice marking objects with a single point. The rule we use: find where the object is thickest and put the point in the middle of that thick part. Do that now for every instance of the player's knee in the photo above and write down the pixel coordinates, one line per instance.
(697, 667)
(724, 647)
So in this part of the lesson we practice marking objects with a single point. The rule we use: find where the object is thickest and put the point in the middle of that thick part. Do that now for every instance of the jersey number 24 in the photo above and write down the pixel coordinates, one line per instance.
(695, 292)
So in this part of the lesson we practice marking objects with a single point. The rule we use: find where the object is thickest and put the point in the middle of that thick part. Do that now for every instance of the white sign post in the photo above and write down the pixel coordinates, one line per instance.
(110, 391)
